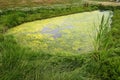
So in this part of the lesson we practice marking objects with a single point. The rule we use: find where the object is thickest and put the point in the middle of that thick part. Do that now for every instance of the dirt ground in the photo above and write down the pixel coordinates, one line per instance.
(106, 3)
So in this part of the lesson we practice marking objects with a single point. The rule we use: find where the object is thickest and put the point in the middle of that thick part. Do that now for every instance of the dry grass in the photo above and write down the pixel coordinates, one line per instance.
(17, 3)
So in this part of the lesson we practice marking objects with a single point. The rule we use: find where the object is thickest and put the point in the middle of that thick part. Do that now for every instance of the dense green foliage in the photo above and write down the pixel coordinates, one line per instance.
(18, 63)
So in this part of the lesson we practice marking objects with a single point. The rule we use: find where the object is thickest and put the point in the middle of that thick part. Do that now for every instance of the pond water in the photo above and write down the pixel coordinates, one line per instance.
(68, 34)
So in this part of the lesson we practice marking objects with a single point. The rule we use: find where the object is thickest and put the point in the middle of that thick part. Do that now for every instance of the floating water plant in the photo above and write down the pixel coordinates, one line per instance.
(72, 33)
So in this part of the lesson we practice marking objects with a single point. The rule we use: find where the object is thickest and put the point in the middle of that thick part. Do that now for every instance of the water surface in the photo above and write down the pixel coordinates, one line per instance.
(72, 33)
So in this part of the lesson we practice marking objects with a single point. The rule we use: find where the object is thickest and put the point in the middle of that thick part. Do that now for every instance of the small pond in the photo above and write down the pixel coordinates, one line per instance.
(68, 34)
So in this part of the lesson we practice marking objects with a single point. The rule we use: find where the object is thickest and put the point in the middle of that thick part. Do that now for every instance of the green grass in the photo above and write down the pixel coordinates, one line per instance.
(19, 63)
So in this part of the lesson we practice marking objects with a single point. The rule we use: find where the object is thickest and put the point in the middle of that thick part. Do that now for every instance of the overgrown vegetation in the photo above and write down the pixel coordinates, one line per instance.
(18, 63)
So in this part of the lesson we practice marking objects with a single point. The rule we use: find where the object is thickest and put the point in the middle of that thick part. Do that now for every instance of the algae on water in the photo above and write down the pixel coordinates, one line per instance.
(72, 33)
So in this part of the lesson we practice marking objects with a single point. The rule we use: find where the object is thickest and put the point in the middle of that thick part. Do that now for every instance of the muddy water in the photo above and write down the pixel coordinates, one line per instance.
(67, 34)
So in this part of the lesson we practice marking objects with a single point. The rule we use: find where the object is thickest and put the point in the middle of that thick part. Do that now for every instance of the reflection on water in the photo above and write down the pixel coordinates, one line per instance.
(55, 32)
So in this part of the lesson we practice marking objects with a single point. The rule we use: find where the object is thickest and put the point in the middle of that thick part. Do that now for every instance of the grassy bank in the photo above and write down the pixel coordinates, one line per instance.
(11, 18)
(18, 63)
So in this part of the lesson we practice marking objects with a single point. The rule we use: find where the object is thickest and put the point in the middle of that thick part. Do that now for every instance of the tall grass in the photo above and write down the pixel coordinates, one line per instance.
(103, 61)
(18, 63)
(11, 61)
(103, 39)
